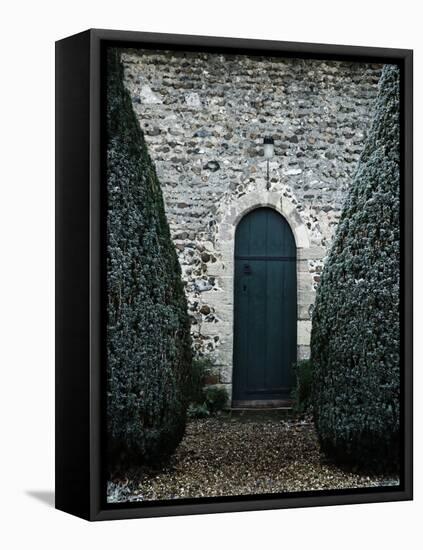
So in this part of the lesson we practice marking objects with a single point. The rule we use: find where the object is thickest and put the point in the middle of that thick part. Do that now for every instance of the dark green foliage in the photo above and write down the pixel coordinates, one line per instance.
(355, 340)
(200, 368)
(198, 410)
(215, 398)
(204, 400)
(148, 339)
(303, 391)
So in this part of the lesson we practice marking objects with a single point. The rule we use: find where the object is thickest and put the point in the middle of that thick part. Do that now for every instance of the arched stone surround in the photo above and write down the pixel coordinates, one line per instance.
(223, 299)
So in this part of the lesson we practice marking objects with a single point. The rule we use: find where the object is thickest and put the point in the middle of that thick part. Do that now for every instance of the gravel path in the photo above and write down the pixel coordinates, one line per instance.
(227, 456)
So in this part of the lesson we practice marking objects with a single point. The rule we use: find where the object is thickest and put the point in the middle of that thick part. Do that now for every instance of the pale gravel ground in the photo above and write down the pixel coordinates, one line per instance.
(226, 456)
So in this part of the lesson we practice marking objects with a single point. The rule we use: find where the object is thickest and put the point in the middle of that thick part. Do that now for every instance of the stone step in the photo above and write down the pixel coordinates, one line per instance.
(259, 414)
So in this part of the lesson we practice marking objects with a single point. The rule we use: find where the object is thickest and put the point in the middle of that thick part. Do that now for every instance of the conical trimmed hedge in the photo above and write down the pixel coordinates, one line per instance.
(355, 339)
(148, 338)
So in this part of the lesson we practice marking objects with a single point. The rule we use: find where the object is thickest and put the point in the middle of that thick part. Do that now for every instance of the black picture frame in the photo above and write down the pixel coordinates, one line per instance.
(80, 256)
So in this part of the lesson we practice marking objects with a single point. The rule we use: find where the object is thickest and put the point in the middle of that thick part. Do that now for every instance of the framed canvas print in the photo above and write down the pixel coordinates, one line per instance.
(234, 283)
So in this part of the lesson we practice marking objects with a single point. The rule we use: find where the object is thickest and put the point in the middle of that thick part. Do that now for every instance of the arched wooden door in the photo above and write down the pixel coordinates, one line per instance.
(265, 309)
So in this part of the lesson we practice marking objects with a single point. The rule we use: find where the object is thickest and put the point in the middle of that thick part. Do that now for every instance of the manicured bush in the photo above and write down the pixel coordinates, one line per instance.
(148, 338)
(355, 340)
(303, 390)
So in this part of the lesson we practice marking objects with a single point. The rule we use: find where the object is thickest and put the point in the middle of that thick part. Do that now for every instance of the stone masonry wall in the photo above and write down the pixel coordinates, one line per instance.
(204, 117)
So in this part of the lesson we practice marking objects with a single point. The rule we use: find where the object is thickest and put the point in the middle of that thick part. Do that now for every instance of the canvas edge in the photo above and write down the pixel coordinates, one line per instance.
(99, 37)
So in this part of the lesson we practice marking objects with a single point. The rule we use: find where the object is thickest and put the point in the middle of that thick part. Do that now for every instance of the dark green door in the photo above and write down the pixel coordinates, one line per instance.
(265, 308)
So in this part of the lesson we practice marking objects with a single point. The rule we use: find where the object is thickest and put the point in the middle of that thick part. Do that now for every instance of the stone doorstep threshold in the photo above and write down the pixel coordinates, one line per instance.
(262, 405)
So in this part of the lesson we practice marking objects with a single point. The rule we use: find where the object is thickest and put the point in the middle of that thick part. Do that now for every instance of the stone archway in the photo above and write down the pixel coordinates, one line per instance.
(225, 243)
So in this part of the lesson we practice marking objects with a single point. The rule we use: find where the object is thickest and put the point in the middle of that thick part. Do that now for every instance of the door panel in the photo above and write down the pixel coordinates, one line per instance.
(264, 307)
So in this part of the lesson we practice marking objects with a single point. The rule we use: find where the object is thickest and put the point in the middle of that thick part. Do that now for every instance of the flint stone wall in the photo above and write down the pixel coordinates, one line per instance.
(204, 117)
